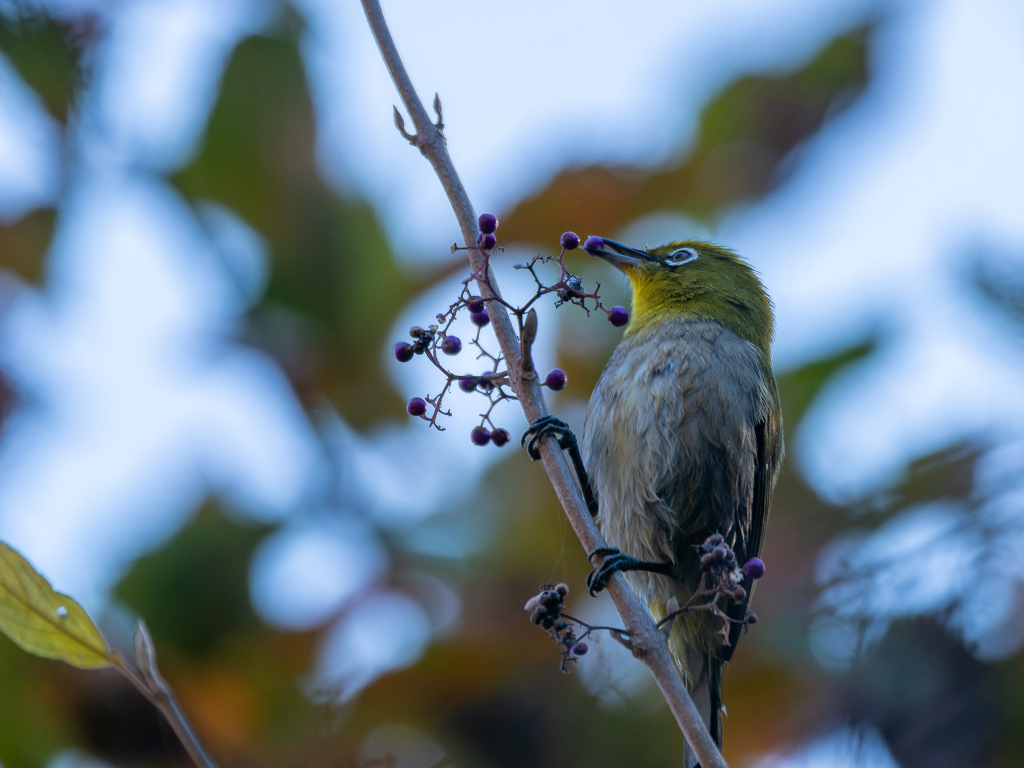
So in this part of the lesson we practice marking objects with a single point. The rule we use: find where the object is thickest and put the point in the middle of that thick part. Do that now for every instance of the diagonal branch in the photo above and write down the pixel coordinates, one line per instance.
(649, 644)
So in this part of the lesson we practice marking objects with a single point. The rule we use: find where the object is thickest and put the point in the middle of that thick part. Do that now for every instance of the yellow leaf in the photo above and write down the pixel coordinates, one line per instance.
(44, 622)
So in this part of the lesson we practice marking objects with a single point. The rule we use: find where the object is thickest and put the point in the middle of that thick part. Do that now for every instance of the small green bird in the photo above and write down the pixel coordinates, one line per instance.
(683, 439)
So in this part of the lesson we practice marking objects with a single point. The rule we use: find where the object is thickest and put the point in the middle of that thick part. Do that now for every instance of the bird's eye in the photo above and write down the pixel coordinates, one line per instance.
(682, 256)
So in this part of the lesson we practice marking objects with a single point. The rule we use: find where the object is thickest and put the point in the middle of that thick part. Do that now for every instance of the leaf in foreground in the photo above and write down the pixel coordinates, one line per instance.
(43, 622)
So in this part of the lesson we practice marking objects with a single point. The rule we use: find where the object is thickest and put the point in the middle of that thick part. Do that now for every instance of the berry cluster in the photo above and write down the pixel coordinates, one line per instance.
(721, 577)
(434, 340)
(494, 383)
(569, 287)
(546, 611)
(718, 564)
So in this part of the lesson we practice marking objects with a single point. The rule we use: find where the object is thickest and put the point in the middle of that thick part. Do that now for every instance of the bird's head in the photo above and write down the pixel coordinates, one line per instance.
(691, 278)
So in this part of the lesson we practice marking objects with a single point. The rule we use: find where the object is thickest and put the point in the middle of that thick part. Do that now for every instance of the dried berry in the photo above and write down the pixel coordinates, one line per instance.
(570, 241)
(475, 305)
(500, 436)
(484, 384)
(487, 223)
(618, 316)
(751, 617)
(416, 332)
(550, 599)
(556, 379)
(403, 352)
(594, 242)
(486, 242)
(573, 287)
(467, 385)
(562, 589)
(754, 568)
(451, 345)
(579, 649)
(480, 436)
(714, 538)
(480, 318)
(417, 406)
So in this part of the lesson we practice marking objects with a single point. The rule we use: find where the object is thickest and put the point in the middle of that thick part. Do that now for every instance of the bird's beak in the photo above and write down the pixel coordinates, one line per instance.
(618, 255)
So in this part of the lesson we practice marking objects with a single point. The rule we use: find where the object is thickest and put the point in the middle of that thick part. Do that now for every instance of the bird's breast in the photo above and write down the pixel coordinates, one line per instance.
(669, 438)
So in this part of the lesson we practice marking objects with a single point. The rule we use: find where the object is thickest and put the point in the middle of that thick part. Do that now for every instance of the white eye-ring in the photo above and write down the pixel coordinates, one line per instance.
(682, 256)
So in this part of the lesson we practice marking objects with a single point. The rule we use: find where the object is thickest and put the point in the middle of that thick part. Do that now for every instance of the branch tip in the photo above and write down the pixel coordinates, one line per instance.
(400, 125)
(437, 110)
(527, 369)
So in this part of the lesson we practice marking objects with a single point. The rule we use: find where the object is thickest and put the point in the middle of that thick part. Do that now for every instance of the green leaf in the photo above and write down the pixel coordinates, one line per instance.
(43, 622)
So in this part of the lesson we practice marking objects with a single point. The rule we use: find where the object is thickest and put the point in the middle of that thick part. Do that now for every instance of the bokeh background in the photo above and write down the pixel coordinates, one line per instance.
(211, 234)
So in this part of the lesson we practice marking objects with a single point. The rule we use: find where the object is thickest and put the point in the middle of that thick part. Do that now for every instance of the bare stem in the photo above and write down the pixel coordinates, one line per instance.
(151, 684)
(649, 644)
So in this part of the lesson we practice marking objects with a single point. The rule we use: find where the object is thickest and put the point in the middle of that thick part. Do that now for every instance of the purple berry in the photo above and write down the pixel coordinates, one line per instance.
(403, 352)
(480, 318)
(594, 242)
(618, 317)
(556, 379)
(486, 242)
(500, 436)
(570, 241)
(475, 305)
(467, 385)
(484, 383)
(754, 568)
(451, 345)
(417, 406)
(480, 436)
(579, 649)
(487, 223)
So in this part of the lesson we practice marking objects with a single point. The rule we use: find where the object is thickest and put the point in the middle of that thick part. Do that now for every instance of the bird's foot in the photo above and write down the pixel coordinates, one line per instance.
(548, 425)
(614, 560)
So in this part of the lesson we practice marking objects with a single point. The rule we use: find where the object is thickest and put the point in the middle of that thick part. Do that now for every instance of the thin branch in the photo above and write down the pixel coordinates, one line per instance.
(152, 685)
(649, 644)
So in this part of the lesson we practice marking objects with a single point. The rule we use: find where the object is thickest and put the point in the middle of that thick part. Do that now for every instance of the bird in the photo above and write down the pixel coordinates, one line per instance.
(682, 441)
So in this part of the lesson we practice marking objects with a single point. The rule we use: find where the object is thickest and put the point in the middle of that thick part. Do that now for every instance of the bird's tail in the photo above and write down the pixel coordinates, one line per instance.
(695, 648)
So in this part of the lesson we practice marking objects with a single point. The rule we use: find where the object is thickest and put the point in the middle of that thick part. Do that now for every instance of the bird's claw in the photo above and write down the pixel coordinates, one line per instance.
(547, 425)
(613, 561)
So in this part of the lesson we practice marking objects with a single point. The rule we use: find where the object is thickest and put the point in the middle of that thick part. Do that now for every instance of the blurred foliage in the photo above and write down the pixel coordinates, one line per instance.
(489, 692)
(23, 244)
(1000, 287)
(47, 54)
(739, 153)
(332, 270)
(204, 570)
(928, 697)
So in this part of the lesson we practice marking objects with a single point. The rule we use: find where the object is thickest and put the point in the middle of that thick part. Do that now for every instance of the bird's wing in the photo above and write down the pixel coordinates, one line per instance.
(769, 445)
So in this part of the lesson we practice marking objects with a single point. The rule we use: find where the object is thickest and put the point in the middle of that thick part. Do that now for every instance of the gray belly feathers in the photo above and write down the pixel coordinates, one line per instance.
(670, 446)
